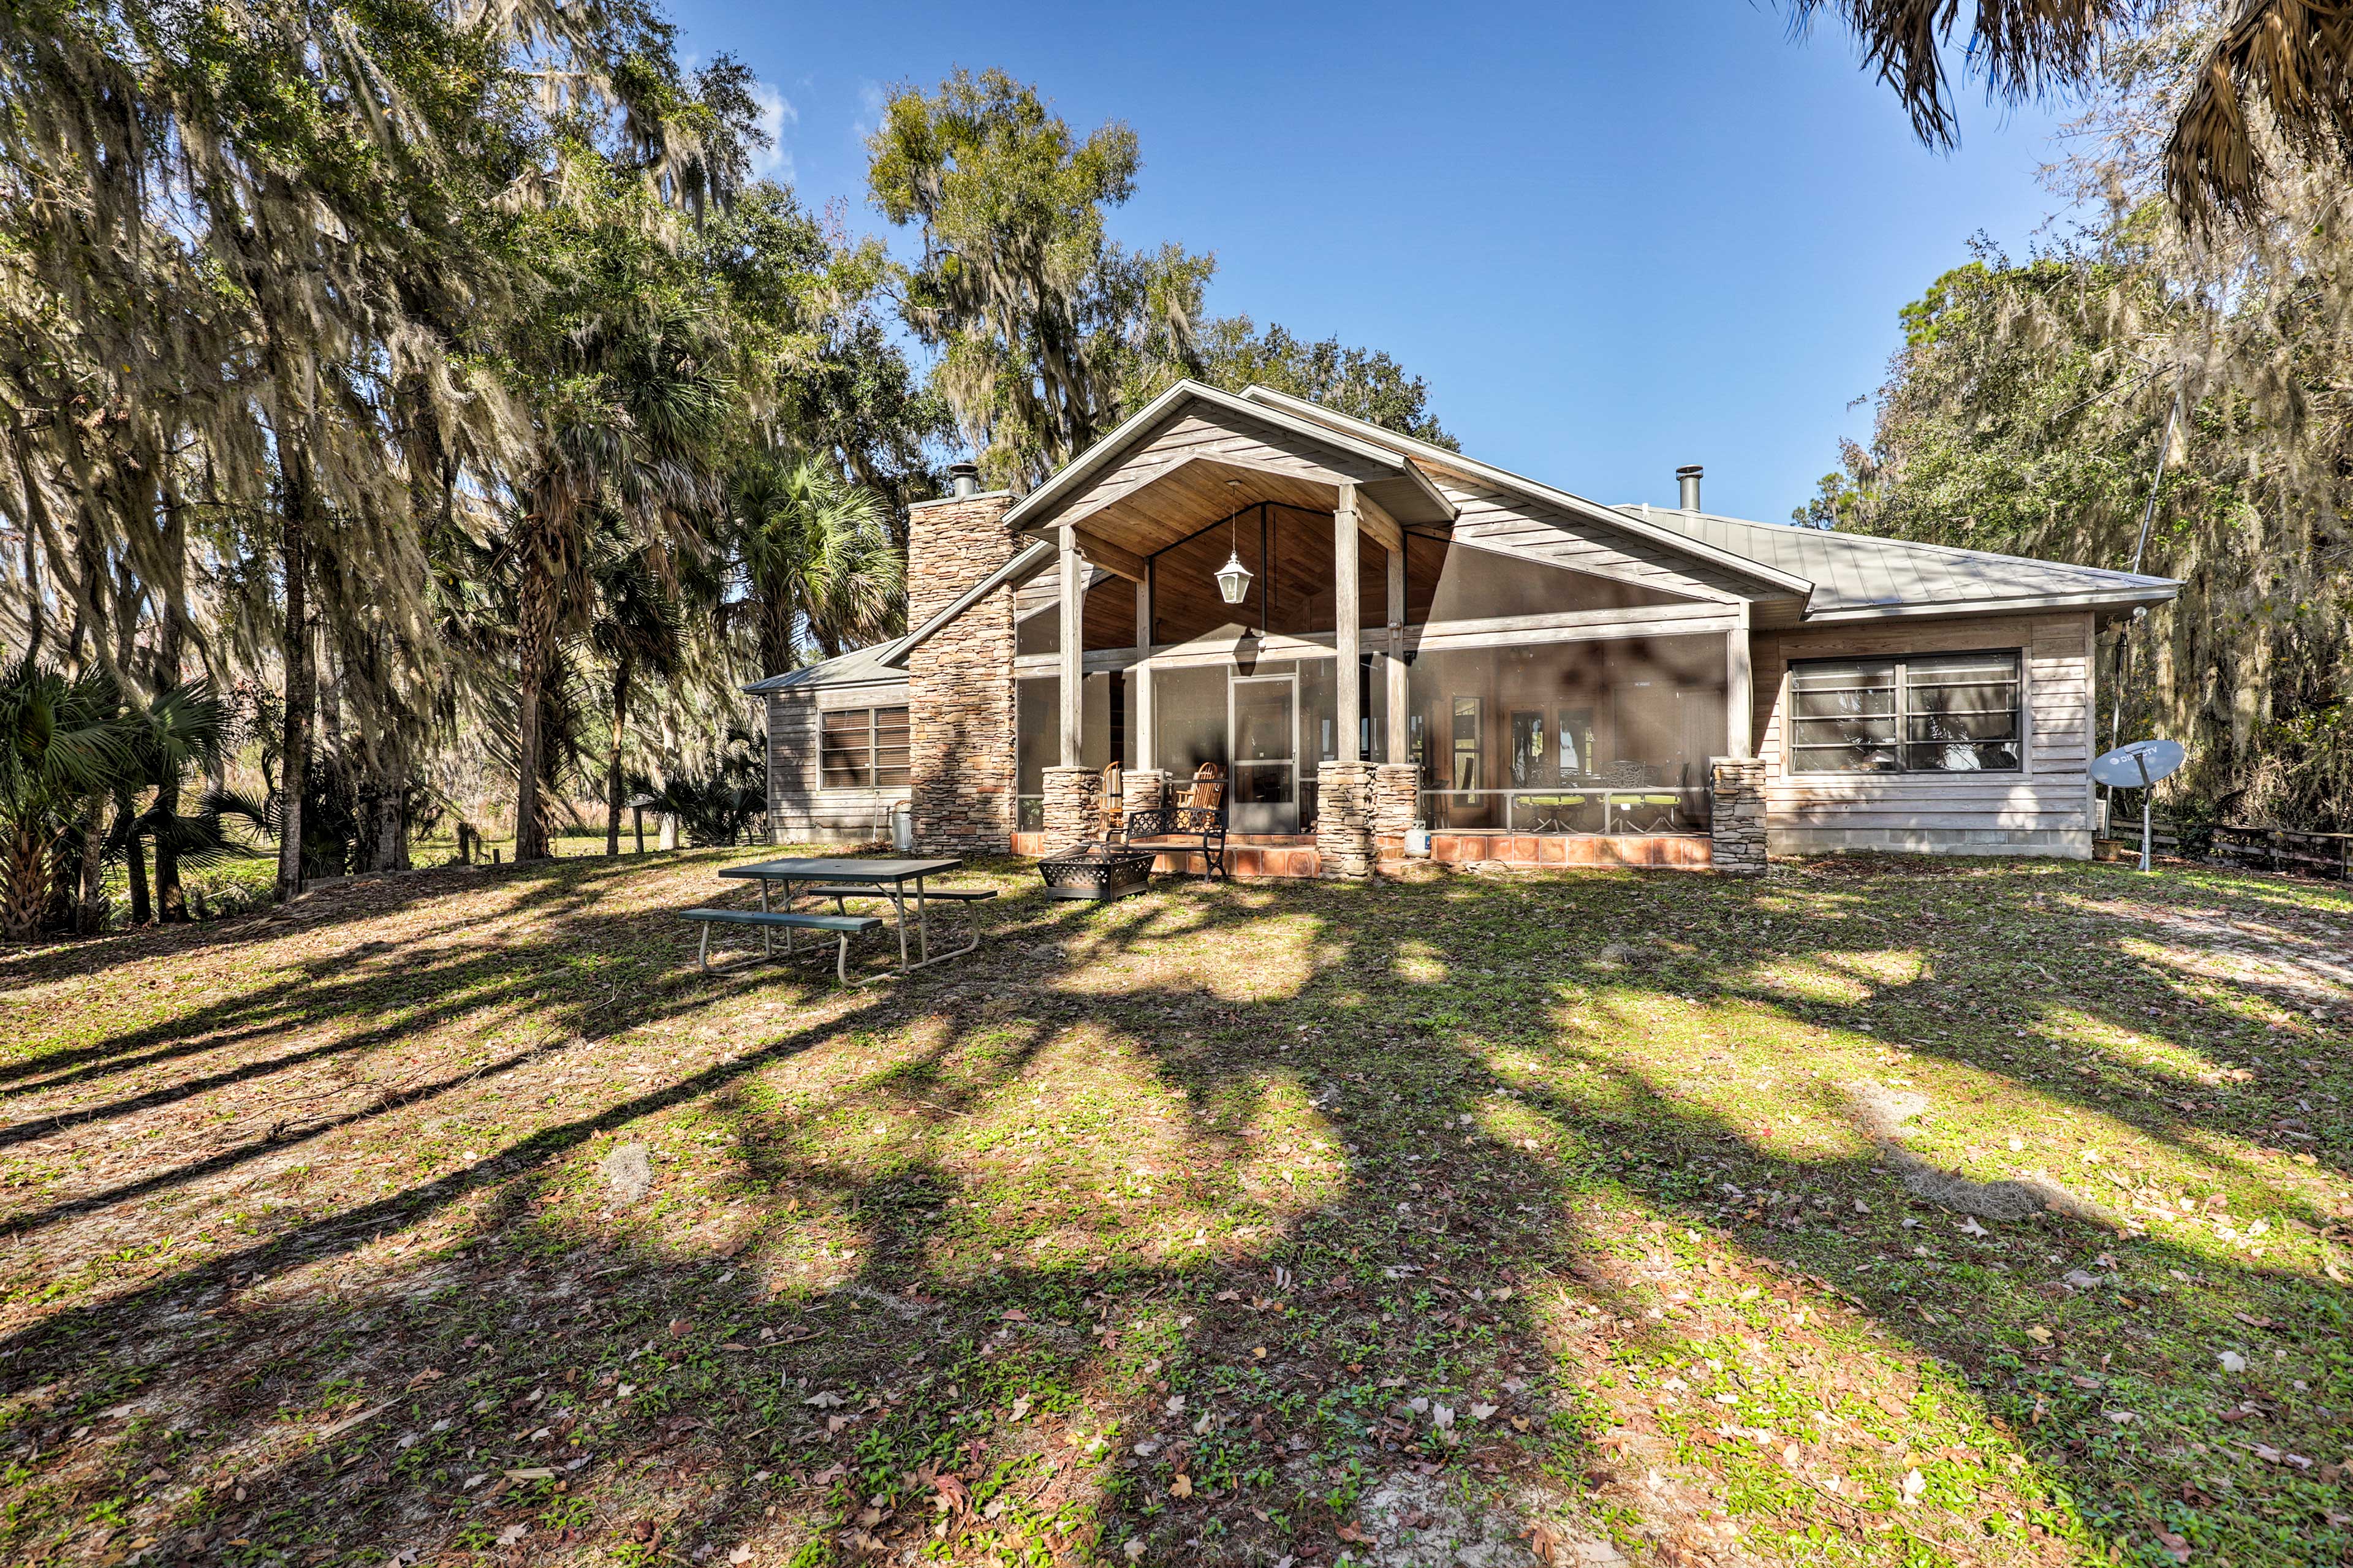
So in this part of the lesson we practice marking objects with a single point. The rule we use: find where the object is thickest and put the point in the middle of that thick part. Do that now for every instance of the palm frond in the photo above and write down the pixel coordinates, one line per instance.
(2289, 62)
(2022, 47)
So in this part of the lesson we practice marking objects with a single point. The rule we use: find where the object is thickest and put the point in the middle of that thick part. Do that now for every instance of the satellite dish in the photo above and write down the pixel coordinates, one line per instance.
(2137, 765)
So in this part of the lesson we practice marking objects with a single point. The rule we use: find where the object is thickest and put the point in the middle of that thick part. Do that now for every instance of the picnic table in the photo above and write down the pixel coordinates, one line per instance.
(842, 877)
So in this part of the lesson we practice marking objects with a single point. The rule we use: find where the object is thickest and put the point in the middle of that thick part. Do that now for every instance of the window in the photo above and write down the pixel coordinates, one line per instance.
(863, 748)
(1949, 713)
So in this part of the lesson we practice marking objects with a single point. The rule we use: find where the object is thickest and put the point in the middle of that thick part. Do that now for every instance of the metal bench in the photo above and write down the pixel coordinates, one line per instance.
(844, 927)
(1196, 819)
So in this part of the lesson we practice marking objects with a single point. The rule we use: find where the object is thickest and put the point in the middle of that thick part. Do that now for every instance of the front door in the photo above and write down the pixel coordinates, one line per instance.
(1263, 719)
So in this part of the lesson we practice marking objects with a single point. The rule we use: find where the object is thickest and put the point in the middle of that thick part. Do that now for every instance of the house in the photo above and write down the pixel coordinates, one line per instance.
(1365, 631)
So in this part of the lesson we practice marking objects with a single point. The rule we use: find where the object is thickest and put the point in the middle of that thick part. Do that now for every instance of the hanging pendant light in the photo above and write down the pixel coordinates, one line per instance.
(1233, 577)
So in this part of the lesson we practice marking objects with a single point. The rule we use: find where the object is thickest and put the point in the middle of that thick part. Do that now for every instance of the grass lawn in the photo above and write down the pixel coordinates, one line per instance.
(457, 1217)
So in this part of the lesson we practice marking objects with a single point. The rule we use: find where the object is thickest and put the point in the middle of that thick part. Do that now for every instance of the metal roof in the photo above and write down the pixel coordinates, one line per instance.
(887, 661)
(1836, 576)
(1862, 576)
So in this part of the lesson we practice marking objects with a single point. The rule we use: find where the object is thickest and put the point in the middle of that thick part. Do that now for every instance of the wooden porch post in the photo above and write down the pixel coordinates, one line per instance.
(1739, 690)
(1147, 737)
(1074, 681)
(1347, 637)
(1400, 696)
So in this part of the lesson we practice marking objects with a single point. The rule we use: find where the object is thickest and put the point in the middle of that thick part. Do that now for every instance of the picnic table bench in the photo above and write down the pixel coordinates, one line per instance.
(843, 927)
(841, 878)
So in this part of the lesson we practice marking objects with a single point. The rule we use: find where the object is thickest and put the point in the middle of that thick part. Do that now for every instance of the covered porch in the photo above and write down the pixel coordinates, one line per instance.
(1355, 654)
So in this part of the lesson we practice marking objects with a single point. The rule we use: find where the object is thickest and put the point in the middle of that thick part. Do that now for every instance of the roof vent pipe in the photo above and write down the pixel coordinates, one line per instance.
(1687, 477)
(964, 479)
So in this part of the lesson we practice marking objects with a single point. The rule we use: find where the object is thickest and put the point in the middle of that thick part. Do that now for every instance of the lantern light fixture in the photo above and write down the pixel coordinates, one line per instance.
(1233, 577)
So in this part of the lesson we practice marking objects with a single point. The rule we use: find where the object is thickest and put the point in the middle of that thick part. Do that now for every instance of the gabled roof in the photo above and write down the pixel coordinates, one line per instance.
(1533, 489)
(1408, 496)
(1860, 576)
(1845, 576)
(1834, 576)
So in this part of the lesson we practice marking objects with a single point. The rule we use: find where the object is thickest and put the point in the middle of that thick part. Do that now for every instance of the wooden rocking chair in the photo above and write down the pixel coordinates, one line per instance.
(1109, 817)
(1198, 817)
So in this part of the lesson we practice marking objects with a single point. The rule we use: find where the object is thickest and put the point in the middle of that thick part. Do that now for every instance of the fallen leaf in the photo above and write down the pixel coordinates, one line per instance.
(740, 1556)
(1182, 1486)
(1481, 1412)
(1021, 1407)
(1915, 1484)
(2232, 1361)
(2039, 1335)
(535, 1473)
(1133, 1551)
(1350, 1532)
(825, 1400)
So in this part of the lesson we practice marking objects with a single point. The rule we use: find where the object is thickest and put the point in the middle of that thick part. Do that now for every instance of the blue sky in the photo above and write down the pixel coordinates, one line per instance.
(1613, 240)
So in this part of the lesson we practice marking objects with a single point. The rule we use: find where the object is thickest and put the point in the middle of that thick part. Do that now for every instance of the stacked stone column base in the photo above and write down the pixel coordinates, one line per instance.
(1736, 815)
(1397, 801)
(1142, 790)
(1343, 819)
(1073, 806)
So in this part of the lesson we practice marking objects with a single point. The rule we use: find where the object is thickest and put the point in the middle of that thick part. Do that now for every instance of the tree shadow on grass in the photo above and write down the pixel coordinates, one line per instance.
(1507, 1195)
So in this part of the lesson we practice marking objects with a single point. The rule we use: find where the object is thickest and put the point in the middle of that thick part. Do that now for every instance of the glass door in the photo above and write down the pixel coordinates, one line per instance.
(1263, 719)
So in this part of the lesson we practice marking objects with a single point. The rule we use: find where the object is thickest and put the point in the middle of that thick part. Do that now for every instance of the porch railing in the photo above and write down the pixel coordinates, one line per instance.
(1632, 809)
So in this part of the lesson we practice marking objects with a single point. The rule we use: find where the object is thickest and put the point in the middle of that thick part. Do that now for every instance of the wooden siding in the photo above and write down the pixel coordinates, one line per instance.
(800, 809)
(2047, 802)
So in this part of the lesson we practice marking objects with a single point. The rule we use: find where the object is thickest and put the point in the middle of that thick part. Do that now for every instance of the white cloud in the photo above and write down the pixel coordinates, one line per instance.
(873, 97)
(776, 112)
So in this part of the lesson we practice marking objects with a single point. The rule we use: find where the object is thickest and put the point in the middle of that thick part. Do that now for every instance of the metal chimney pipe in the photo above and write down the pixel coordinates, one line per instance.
(964, 479)
(1687, 477)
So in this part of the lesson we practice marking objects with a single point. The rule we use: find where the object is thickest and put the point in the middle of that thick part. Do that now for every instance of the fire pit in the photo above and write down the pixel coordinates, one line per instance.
(1096, 871)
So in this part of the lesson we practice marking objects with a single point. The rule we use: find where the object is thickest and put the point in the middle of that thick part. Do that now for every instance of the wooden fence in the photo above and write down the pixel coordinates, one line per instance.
(2265, 848)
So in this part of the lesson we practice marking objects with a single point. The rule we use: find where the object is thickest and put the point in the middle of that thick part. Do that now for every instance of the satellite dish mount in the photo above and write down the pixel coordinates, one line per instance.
(2139, 765)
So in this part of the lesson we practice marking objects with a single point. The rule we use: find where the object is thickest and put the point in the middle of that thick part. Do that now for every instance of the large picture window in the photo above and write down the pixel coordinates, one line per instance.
(863, 748)
(1940, 714)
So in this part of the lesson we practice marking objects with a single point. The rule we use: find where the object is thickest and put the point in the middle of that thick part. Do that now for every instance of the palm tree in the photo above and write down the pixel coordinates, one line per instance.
(630, 433)
(184, 726)
(817, 558)
(2285, 62)
(639, 630)
(65, 742)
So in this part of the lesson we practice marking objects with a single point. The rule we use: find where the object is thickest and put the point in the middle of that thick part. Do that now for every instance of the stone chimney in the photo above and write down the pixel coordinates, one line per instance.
(960, 680)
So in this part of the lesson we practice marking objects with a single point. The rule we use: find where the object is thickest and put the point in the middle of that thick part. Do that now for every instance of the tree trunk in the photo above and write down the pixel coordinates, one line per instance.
(143, 907)
(667, 837)
(88, 907)
(613, 758)
(171, 902)
(301, 674)
(535, 647)
(25, 894)
(388, 765)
